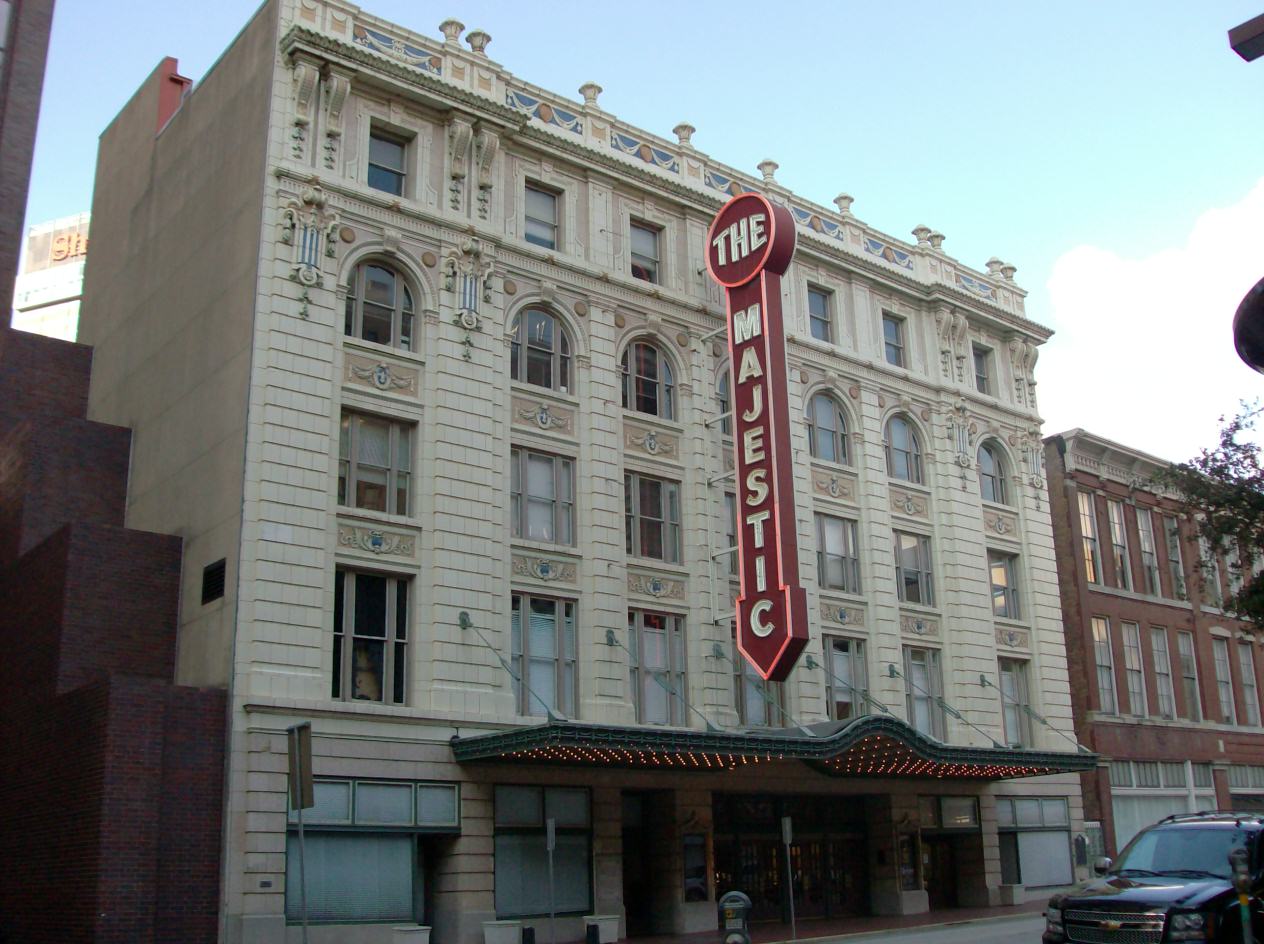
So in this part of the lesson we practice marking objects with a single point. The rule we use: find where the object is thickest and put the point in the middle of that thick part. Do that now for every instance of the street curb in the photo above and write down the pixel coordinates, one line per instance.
(861, 935)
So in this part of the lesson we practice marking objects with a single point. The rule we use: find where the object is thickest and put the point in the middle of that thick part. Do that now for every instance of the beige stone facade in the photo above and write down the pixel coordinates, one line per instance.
(231, 302)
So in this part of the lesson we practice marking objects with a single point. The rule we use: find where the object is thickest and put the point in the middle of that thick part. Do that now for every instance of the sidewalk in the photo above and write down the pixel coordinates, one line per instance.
(816, 929)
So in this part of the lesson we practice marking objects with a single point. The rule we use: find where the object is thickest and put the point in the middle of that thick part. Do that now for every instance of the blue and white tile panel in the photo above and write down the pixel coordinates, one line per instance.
(981, 289)
(726, 185)
(646, 152)
(549, 114)
(397, 49)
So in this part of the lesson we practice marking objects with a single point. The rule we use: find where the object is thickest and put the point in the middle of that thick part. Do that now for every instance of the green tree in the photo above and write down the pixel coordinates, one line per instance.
(1224, 487)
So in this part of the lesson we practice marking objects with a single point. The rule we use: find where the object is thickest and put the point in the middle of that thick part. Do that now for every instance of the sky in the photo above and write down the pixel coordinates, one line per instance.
(1113, 152)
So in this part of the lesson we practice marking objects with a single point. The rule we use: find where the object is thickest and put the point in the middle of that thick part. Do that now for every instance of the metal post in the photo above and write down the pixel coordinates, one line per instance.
(302, 871)
(550, 826)
(787, 836)
(1242, 883)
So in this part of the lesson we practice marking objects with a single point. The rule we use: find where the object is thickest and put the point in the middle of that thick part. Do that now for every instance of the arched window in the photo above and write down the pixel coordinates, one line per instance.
(724, 400)
(991, 475)
(904, 451)
(541, 351)
(379, 306)
(648, 385)
(827, 429)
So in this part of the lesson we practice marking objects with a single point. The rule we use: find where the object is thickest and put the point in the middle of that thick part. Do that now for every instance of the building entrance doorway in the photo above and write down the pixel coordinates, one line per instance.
(645, 848)
(828, 858)
(939, 871)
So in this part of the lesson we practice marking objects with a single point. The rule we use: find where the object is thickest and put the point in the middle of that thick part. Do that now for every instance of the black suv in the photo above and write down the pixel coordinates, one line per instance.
(1173, 882)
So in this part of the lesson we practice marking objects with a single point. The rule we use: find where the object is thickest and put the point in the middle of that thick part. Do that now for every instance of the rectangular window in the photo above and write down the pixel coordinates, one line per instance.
(1189, 676)
(521, 860)
(1119, 544)
(730, 530)
(1134, 674)
(1004, 576)
(370, 637)
(1210, 573)
(893, 340)
(847, 682)
(1224, 681)
(1105, 666)
(759, 704)
(651, 517)
(374, 463)
(645, 258)
(656, 646)
(543, 641)
(819, 317)
(923, 687)
(982, 369)
(542, 497)
(1163, 672)
(386, 162)
(1088, 532)
(1149, 552)
(914, 582)
(213, 581)
(1175, 565)
(541, 216)
(1015, 702)
(1250, 689)
(837, 554)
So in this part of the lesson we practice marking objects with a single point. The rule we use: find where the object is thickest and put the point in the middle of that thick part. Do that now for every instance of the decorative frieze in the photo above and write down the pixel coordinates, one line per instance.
(657, 587)
(377, 541)
(540, 568)
(841, 486)
(908, 503)
(651, 442)
(541, 415)
(380, 375)
(1013, 638)
(914, 624)
(998, 522)
(852, 616)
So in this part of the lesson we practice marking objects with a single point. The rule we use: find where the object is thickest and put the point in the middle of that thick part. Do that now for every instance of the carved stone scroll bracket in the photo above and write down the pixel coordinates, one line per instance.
(306, 79)
(460, 133)
(338, 87)
(485, 148)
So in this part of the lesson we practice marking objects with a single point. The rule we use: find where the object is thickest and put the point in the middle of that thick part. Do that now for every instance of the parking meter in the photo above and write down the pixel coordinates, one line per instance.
(1242, 884)
(735, 909)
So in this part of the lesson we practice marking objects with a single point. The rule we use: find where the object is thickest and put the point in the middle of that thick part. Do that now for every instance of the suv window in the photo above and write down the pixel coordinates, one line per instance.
(1173, 850)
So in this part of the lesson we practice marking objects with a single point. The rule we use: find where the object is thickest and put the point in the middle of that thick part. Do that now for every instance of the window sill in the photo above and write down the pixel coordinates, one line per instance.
(530, 390)
(546, 547)
(350, 342)
(1139, 597)
(676, 570)
(378, 517)
(639, 417)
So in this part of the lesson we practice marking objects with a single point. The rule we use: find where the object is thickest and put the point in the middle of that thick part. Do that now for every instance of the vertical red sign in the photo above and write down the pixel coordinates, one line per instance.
(749, 247)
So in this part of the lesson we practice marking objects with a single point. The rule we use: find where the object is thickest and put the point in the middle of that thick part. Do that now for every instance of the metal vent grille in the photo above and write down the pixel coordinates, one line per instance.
(213, 581)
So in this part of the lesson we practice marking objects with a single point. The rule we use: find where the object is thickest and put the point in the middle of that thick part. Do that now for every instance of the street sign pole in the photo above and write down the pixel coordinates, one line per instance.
(299, 742)
(787, 837)
(550, 826)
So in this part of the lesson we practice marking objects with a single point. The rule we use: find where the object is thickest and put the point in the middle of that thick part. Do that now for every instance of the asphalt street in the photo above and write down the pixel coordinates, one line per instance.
(1024, 929)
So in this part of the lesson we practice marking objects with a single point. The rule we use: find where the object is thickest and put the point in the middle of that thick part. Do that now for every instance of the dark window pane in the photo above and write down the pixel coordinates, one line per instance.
(370, 605)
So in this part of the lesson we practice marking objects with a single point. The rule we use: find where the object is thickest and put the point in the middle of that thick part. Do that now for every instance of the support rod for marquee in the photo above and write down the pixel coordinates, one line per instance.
(717, 652)
(464, 621)
(988, 683)
(893, 672)
(863, 694)
(612, 640)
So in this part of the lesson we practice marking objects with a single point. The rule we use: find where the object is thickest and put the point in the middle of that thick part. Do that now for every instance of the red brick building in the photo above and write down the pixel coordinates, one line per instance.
(110, 775)
(1168, 694)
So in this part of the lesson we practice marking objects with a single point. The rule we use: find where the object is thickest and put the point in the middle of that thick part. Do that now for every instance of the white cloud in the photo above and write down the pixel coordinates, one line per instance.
(1144, 347)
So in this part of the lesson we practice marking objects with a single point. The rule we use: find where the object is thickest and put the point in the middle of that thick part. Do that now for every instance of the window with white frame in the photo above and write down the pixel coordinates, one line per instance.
(1149, 552)
(522, 860)
(759, 703)
(724, 402)
(837, 554)
(730, 530)
(1105, 660)
(1119, 544)
(362, 852)
(991, 474)
(371, 619)
(924, 689)
(1250, 688)
(542, 206)
(1034, 841)
(904, 450)
(645, 252)
(1015, 702)
(1163, 672)
(1189, 676)
(1210, 563)
(820, 318)
(982, 369)
(651, 517)
(914, 581)
(648, 383)
(893, 340)
(386, 162)
(1175, 563)
(1134, 673)
(379, 306)
(542, 496)
(1003, 570)
(827, 429)
(847, 681)
(374, 463)
(1144, 791)
(540, 352)
(542, 631)
(656, 647)
(1224, 680)
(1088, 537)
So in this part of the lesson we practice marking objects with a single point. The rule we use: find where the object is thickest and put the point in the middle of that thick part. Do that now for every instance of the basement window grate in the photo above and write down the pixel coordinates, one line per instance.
(213, 581)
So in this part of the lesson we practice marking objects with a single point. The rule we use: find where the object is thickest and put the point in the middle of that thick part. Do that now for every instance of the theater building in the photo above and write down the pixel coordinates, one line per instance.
(1168, 689)
(423, 364)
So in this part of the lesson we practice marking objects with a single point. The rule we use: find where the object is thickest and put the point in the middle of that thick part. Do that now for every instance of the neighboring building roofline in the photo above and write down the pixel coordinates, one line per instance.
(1105, 457)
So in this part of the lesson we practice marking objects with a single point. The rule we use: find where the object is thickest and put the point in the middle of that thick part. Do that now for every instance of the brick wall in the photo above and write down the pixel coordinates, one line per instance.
(110, 775)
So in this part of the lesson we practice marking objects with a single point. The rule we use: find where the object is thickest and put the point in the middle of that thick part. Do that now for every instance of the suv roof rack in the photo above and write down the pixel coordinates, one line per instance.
(1218, 815)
